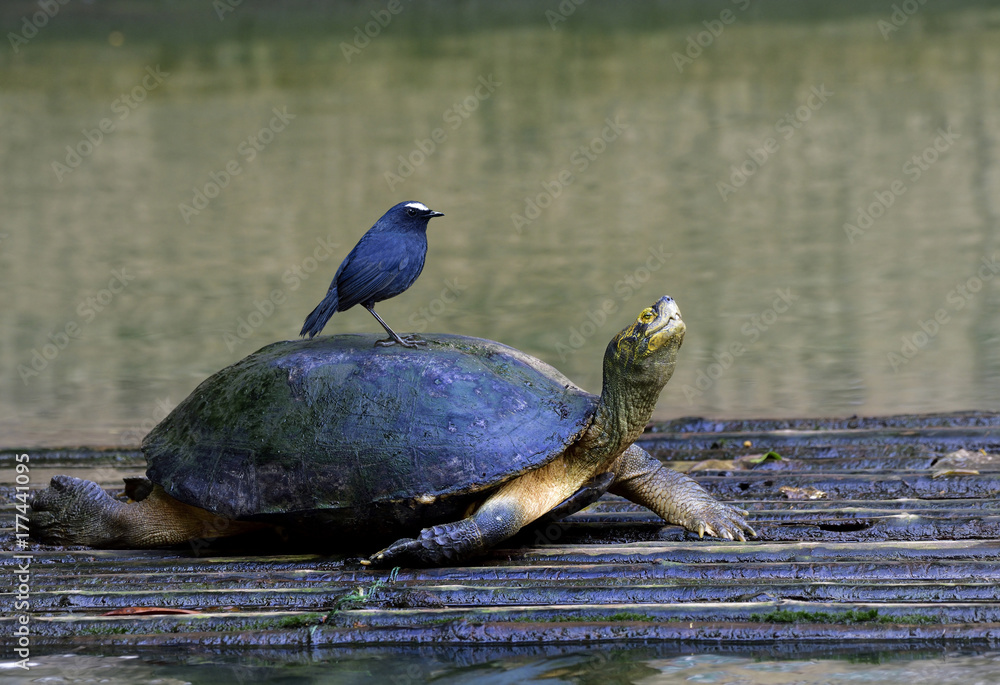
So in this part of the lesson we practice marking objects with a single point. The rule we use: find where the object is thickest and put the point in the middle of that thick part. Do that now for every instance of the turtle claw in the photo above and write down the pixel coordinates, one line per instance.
(409, 550)
(720, 521)
(434, 546)
(397, 550)
(421, 550)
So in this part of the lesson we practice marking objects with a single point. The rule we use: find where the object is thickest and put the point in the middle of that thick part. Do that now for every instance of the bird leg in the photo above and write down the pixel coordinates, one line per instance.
(394, 339)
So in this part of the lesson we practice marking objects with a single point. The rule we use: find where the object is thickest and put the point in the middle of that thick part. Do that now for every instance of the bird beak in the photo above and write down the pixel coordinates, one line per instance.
(431, 214)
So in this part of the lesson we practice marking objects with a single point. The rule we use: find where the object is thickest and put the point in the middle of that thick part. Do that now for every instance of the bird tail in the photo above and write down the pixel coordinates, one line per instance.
(319, 316)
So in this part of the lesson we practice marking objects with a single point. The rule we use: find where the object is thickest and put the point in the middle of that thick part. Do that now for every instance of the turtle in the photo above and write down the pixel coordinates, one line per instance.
(443, 451)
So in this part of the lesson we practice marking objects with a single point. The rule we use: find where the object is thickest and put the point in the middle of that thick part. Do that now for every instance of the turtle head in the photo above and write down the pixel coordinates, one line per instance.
(637, 364)
(644, 353)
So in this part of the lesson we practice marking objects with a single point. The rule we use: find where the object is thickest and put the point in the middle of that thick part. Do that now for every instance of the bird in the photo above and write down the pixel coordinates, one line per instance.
(384, 263)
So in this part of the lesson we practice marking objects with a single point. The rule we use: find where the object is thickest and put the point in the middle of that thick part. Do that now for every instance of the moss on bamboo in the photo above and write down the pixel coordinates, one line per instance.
(849, 617)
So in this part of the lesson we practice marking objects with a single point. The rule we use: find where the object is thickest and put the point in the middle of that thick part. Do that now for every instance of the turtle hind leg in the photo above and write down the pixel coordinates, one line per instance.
(675, 497)
(72, 511)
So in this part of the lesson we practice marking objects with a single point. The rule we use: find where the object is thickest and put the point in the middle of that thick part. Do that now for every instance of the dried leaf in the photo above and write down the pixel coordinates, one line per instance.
(967, 459)
(714, 465)
(944, 473)
(802, 493)
(755, 459)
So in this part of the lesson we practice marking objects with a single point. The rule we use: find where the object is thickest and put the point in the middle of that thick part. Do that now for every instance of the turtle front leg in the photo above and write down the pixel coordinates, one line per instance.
(72, 511)
(675, 497)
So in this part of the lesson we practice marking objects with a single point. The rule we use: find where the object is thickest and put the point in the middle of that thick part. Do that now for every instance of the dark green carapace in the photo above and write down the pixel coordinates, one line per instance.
(337, 428)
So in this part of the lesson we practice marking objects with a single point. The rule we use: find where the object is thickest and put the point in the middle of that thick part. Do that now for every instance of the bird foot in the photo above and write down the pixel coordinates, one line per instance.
(408, 341)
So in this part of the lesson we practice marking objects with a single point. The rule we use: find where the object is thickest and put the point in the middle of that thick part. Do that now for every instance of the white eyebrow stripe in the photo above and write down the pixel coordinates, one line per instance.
(418, 205)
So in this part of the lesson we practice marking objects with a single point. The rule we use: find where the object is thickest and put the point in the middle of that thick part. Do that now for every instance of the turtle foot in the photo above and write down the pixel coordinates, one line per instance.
(719, 520)
(72, 511)
(434, 546)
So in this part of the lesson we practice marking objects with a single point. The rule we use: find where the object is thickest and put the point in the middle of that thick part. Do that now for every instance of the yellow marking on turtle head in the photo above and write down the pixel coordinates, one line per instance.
(646, 316)
(657, 341)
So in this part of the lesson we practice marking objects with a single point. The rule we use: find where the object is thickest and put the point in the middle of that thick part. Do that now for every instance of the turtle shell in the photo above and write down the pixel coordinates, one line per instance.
(337, 424)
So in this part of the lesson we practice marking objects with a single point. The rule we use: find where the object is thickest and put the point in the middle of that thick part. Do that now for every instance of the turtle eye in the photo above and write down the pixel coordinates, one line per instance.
(411, 212)
(647, 316)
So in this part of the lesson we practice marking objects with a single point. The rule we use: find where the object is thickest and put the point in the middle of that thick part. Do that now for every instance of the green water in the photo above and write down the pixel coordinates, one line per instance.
(125, 285)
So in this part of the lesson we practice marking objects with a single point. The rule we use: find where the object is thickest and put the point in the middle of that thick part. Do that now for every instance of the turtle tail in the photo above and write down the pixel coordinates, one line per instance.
(319, 316)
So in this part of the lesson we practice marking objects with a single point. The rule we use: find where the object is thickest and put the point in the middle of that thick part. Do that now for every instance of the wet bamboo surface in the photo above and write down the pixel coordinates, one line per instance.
(901, 547)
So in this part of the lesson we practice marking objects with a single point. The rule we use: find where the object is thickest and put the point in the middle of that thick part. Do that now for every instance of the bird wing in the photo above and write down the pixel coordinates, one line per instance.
(369, 278)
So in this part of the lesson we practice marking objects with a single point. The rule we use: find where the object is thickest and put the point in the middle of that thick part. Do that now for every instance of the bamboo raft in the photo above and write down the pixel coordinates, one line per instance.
(870, 531)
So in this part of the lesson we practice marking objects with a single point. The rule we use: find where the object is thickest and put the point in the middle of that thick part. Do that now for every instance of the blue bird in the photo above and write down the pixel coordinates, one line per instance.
(384, 263)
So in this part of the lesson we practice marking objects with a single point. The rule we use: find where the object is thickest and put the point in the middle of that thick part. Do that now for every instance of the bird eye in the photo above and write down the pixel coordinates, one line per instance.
(647, 315)
(411, 211)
